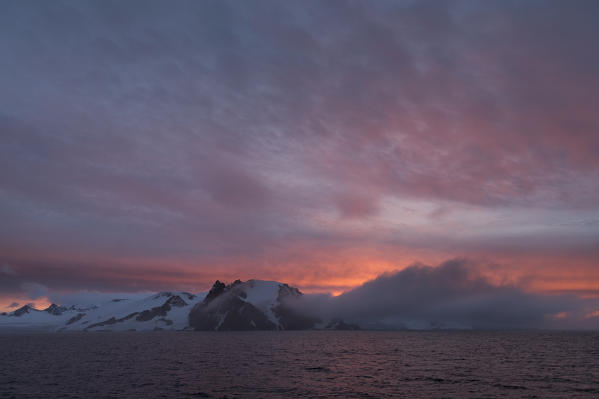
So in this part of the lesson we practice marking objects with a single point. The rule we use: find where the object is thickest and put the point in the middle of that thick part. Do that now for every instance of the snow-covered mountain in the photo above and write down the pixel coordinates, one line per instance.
(250, 305)
(163, 311)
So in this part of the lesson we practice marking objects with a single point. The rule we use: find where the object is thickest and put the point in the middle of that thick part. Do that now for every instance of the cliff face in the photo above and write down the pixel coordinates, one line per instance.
(250, 305)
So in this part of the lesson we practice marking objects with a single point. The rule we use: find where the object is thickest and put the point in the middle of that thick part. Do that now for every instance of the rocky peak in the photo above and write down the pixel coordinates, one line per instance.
(22, 310)
(54, 309)
(176, 301)
(217, 288)
(220, 288)
(230, 312)
(285, 292)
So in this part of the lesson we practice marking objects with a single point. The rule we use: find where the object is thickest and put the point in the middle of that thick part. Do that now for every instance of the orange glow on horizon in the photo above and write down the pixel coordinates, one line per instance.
(592, 314)
(332, 272)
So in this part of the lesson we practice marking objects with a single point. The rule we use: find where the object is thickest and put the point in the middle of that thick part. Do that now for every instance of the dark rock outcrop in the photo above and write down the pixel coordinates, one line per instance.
(175, 301)
(154, 312)
(55, 310)
(229, 314)
(217, 289)
(112, 320)
(83, 308)
(224, 309)
(108, 322)
(23, 310)
(75, 319)
(162, 310)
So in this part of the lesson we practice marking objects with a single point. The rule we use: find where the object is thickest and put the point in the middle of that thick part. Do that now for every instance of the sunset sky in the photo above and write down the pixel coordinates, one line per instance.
(152, 146)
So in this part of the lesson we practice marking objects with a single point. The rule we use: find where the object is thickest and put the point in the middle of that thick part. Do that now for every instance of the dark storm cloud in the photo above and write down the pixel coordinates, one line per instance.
(190, 131)
(451, 295)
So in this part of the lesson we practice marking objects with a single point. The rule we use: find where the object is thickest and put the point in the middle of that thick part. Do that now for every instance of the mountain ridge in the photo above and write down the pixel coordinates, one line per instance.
(238, 306)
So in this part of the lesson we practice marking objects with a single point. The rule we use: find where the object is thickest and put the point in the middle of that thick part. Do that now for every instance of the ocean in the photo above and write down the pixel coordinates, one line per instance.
(300, 364)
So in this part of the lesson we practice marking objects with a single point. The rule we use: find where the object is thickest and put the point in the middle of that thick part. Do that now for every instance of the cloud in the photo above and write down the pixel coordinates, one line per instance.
(253, 129)
(34, 290)
(451, 295)
(356, 205)
(7, 270)
(13, 305)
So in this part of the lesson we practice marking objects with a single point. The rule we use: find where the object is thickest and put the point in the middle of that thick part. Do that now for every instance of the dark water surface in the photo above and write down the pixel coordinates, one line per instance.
(310, 364)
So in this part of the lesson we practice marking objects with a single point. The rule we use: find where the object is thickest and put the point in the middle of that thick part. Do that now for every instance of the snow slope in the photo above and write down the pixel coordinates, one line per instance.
(167, 311)
(263, 295)
(254, 304)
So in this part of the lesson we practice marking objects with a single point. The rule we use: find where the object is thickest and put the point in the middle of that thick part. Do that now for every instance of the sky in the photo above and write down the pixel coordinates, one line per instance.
(154, 145)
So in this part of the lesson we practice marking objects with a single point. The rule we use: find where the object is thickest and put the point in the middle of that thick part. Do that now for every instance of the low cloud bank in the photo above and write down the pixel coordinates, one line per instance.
(451, 295)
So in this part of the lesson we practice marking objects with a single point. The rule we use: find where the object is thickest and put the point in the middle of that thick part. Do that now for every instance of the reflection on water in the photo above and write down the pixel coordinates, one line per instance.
(318, 364)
